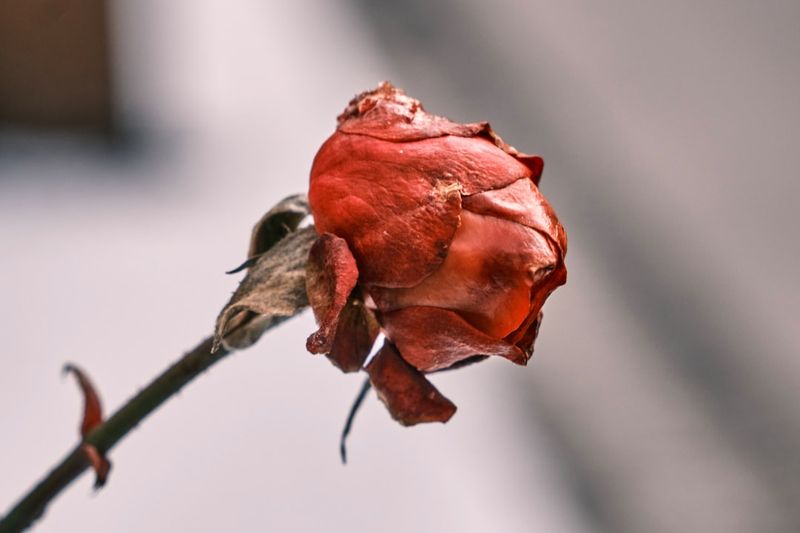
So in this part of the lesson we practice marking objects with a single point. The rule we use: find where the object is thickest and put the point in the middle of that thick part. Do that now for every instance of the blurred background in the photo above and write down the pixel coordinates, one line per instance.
(139, 142)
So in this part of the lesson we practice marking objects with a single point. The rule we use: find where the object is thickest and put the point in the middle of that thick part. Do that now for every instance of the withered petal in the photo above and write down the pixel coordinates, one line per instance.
(397, 218)
(487, 276)
(431, 338)
(520, 202)
(92, 408)
(387, 113)
(331, 275)
(354, 337)
(409, 396)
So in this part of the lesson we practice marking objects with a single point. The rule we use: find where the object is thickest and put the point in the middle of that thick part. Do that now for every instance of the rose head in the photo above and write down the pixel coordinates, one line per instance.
(434, 233)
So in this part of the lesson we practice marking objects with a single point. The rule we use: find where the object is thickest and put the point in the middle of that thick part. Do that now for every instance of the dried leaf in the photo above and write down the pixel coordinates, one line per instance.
(273, 290)
(277, 223)
(410, 398)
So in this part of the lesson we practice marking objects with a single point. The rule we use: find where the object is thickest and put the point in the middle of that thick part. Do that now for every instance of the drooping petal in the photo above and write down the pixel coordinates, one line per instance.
(409, 396)
(331, 275)
(432, 339)
(487, 276)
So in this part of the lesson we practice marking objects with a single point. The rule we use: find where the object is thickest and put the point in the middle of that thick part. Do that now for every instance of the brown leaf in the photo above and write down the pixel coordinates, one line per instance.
(92, 409)
(277, 223)
(273, 290)
(410, 398)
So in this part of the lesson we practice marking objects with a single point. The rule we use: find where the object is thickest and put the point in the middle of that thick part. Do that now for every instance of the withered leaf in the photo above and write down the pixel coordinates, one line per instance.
(277, 223)
(273, 290)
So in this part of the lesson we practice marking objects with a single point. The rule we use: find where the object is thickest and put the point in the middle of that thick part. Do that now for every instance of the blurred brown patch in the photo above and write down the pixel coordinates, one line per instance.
(54, 64)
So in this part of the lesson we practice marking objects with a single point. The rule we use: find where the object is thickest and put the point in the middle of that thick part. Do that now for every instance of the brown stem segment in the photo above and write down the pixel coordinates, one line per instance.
(106, 435)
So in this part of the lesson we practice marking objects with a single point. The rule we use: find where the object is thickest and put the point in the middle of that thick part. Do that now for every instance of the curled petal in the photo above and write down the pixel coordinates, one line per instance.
(331, 275)
(100, 464)
(354, 337)
(432, 339)
(533, 162)
(410, 398)
(92, 409)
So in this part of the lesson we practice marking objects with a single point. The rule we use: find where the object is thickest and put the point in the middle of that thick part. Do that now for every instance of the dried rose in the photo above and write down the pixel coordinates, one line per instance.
(434, 233)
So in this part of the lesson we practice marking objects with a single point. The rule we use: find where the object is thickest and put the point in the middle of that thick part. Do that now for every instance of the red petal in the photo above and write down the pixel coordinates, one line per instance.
(92, 410)
(520, 202)
(331, 275)
(410, 398)
(433, 339)
(487, 276)
(354, 337)
(398, 218)
(387, 113)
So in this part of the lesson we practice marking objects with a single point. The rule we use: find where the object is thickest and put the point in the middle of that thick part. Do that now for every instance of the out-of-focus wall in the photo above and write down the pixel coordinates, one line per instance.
(668, 366)
(54, 64)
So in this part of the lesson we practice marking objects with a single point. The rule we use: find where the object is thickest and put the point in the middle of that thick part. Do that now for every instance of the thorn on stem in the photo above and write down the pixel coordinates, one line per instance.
(92, 417)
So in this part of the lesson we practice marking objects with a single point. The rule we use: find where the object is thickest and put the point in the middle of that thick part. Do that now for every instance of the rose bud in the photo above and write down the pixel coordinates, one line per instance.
(434, 233)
